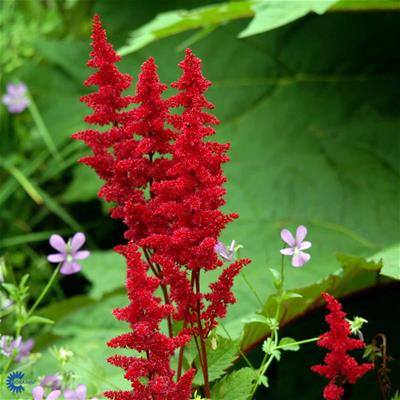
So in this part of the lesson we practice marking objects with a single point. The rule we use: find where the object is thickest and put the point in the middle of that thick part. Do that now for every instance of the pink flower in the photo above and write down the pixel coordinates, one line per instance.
(68, 253)
(296, 246)
(38, 394)
(16, 99)
(225, 253)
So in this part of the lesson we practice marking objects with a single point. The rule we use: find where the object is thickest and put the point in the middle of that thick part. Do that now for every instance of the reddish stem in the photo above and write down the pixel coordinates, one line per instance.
(202, 341)
(158, 273)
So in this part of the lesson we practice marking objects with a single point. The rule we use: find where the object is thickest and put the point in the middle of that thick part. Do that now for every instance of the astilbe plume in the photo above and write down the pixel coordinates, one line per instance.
(166, 185)
(106, 103)
(190, 199)
(339, 368)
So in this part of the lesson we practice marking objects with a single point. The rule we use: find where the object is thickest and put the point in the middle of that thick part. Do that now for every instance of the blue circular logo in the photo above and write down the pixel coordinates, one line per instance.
(14, 381)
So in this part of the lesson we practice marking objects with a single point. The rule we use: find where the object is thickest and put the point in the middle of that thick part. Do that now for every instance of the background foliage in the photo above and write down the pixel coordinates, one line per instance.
(311, 109)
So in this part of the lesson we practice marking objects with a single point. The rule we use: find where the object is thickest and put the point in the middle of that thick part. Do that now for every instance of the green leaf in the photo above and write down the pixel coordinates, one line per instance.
(219, 360)
(271, 14)
(173, 22)
(235, 386)
(390, 258)
(263, 380)
(269, 347)
(105, 270)
(268, 14)
(288, 344)
(36, 319)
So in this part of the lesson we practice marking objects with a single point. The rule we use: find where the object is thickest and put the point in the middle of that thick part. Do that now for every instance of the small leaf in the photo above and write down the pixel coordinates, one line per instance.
(263, 380)
(35, 319)
(269, 347)
(288, 344)
(235, 386)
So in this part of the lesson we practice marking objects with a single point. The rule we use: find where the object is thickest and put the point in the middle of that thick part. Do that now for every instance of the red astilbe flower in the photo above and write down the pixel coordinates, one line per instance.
(140, 158)
(339, 368)
(144, 315)
(129, 157)
(106, 103)
(192, 194)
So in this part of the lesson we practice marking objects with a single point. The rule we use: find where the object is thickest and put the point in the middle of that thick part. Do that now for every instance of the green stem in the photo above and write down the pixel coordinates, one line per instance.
(251, 287)
(299, 342)
(266, 362)
(44, 291)
(43, 131)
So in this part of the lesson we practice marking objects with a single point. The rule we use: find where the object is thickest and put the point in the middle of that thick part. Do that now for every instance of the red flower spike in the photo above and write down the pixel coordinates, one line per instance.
(111, 83)
(339, 368)
(167, 187)
(144, 315)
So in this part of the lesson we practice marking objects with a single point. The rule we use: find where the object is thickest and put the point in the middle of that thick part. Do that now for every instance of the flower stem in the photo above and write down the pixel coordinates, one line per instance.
(267, 360)
(44, 291)
(251, 287)
(207, 393)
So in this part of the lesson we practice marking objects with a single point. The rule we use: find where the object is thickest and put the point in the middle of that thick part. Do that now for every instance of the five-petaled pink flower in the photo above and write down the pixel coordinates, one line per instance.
(68, 253)
(296, 245)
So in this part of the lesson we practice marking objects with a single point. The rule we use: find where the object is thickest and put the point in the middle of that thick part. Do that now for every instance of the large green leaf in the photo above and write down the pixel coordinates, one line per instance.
(274, 13)
(106, 271)
(268, 14)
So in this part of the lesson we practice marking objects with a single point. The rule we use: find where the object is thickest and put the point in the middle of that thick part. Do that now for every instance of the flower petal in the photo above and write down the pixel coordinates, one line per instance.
(287, 237)
(300, 259)
(81, 255)
(58, 243)
(69, 395)
(288, 251)
(16, 89)
(55, 394)
(56, 258)
(304, 245)
(81, 392)
(69, 268)
(37, 393)
(77, 242)
(301, 233)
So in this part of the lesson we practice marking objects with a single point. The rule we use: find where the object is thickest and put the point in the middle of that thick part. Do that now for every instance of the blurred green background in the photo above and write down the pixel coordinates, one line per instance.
(310, 104)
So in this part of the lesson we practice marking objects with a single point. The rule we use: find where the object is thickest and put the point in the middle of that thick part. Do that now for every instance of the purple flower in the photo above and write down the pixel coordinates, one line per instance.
(8, 344)
(78, 394)
(68, 252)
(296, 245)
(38, 394)
(226, 254)
(51, 381)
(16, 98)
(24, 349)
